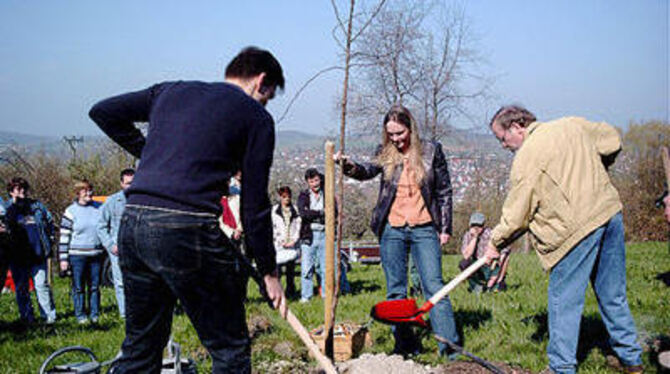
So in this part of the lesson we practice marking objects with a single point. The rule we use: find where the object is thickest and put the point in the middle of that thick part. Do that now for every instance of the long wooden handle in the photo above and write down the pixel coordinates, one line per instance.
(292, 320)
(456, 281)
(666, 164)
(325, 363)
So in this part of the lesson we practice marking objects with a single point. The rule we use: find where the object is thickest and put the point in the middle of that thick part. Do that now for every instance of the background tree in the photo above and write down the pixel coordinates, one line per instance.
(422, 55)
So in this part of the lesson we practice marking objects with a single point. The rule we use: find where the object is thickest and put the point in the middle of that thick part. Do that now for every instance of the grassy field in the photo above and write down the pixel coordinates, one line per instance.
(506, 327)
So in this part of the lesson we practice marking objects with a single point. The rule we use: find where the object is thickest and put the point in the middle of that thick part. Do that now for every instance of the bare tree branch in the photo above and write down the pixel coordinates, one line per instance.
(302, 88)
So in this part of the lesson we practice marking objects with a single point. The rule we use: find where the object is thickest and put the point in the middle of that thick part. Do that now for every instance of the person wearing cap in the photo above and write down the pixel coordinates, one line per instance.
(561, 193)
(487, 278)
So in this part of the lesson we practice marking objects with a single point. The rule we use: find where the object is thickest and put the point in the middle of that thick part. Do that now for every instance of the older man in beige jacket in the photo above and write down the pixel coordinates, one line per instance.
(560, 191)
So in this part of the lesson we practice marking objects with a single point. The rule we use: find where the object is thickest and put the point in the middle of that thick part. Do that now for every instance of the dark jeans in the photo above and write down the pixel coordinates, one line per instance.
(86, 270)
(169, 255)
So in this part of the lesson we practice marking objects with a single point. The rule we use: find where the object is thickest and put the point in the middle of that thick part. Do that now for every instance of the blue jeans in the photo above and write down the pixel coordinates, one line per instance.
(422, 243)
(85, 269)
(600, 258)
(167, 256)
(21, 275)
(118, 283)
(309, 254)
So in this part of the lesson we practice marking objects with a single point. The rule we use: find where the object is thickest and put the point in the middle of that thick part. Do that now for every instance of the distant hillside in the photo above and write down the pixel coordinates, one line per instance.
(293, 138)
(459, 141)
(9, 137)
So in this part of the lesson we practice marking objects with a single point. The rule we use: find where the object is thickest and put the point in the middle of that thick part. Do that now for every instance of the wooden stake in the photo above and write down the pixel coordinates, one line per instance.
(329, 205)
(666, 164)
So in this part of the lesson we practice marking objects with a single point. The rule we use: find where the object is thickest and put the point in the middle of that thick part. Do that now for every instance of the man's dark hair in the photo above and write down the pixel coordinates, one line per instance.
(129, 172)
(252, 61)
(17, 182)
(311, 173)
(509, 114)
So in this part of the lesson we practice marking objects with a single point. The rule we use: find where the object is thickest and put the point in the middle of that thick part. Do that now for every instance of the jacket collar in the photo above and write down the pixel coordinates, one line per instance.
(532, 127)
(294, 213)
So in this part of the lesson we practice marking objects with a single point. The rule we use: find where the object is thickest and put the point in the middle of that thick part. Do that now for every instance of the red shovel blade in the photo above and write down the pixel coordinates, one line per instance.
(394, 312)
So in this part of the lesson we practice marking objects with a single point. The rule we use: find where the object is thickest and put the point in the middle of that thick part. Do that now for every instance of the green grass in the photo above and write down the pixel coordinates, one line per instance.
(507, 327)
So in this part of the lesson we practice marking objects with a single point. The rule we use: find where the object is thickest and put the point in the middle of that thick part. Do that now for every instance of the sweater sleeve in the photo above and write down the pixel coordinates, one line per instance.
(116, 117)
(66, 225)
(256, 206)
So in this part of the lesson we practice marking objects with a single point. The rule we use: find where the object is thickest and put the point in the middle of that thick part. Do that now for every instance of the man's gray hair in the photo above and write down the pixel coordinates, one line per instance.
(509, 114)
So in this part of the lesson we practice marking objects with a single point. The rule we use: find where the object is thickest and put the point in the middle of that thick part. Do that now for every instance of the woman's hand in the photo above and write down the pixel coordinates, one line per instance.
(444, 238)
(339, 156)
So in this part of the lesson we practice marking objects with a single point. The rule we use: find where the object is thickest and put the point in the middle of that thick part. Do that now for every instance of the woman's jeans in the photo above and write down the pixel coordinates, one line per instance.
(600, 258)
(168, 255)
(423, 244)
(86, 270)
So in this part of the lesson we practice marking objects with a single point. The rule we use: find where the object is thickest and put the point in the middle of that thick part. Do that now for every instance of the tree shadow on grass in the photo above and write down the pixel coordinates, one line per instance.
(18, 331)
(664, 277)
(470, 318)
(364, 286)
(592, 334)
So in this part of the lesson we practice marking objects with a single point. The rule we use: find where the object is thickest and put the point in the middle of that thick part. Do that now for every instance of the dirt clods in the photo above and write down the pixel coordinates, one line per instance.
(395, 364)
(258, 324)
(381, 363)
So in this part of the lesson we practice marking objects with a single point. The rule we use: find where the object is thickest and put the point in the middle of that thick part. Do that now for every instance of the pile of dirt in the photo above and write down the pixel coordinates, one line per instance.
(381, 363)
(395, 364)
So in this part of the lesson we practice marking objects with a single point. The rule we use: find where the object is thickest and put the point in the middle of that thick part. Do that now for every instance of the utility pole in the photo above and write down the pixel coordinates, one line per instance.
(71, 142)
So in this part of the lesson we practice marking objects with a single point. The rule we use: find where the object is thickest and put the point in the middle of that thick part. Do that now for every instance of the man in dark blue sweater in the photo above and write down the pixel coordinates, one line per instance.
(170, 244)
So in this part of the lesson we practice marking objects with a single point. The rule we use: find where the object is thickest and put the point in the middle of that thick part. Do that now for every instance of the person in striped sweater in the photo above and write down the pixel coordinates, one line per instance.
(80, 249)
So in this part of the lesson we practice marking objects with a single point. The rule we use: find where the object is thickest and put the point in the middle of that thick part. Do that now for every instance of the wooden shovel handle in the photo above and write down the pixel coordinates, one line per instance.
(323, 361)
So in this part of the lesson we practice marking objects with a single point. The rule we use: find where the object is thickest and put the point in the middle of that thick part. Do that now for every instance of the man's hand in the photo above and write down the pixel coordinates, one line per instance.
(275, 292)
(444, 238)
(115, 250)
(3, 228)
(289, 245)
(491, 254)
(666, 202)
(63, 265)
(237, 234)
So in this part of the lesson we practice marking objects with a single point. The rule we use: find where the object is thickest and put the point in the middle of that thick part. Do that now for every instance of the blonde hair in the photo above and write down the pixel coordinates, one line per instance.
(82, 185)
(390, 156)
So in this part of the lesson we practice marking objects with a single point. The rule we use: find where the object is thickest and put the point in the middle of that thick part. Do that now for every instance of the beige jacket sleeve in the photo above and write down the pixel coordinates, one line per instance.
(520, 203)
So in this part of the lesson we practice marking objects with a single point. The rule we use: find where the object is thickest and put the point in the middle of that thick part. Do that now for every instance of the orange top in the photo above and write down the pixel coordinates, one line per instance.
(408, 206)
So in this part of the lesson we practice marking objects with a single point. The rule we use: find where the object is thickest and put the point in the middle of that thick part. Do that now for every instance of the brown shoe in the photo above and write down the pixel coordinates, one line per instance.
(614, 363)
(635, 369)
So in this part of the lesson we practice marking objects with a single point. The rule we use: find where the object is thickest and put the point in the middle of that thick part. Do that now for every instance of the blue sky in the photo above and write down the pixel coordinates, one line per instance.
(605, 60)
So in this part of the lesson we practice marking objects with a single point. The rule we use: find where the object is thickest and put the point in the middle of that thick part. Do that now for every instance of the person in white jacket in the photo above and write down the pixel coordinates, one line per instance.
(286, 229)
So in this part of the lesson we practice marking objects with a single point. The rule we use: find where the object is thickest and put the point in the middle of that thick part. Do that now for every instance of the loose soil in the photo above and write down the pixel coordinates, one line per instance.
(395, 364)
